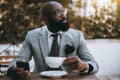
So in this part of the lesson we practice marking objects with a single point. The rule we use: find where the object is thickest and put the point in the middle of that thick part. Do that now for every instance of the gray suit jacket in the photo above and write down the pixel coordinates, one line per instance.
(36, 45)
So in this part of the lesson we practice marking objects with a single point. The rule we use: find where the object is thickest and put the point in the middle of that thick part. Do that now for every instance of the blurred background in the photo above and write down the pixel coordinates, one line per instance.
(99, 20)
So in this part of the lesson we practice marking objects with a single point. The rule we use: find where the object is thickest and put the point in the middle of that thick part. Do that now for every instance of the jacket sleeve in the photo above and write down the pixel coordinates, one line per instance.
(84, 54)
(24, 54)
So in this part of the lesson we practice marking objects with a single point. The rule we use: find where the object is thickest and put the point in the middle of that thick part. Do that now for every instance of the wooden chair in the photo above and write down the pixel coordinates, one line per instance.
(4, 63)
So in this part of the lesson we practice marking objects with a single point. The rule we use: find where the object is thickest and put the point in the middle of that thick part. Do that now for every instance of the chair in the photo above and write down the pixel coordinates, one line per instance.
(4, 63)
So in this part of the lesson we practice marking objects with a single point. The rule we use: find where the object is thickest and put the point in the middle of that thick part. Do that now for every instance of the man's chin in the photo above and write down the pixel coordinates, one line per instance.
(60, 26)
(64, 27)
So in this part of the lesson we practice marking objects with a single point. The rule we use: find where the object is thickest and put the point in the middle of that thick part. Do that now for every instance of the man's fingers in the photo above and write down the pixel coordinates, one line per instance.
(24, 74)
(21, 72)
(70, 60)
(18, 69)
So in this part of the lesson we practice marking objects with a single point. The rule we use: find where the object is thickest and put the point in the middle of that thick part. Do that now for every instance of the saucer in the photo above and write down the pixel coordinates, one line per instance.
(53, 74)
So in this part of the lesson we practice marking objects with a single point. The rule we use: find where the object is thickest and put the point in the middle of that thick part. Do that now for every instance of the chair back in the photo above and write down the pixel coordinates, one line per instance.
(4, 63)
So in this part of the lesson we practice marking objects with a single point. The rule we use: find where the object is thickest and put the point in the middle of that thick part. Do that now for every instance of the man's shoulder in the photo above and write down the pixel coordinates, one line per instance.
(75, 31)
(37, 30)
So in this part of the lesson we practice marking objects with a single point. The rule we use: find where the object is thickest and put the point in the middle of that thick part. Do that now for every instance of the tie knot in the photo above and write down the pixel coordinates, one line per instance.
(54, 35)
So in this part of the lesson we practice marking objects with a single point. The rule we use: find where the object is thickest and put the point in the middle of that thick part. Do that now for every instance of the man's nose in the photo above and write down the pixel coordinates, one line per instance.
(63, 15)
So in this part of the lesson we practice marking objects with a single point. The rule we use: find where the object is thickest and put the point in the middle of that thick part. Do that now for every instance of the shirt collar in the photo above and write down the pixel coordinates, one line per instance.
(50, 33)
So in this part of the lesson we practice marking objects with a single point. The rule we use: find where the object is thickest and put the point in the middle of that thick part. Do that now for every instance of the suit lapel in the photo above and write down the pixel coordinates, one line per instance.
(66, 39)
(43, 42)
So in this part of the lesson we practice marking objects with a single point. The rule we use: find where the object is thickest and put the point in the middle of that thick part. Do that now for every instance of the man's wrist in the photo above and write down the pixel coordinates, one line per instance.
(85, 68)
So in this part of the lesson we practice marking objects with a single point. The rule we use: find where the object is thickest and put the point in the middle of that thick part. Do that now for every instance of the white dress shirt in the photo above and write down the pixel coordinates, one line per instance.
(50, 38)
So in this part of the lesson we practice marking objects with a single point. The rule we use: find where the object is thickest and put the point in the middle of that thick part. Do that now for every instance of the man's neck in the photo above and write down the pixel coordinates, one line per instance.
(52, 30)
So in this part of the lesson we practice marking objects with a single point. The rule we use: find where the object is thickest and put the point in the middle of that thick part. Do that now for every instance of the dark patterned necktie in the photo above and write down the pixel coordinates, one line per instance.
(55, 47)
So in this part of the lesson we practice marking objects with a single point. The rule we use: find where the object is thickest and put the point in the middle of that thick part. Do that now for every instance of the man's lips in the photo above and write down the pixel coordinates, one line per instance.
(64, 21)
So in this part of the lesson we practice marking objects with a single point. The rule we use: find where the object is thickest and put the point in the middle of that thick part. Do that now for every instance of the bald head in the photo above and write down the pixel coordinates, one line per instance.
(54, 15)
(48, 8)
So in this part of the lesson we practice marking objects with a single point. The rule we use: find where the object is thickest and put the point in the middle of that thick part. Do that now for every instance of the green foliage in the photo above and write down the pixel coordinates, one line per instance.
(19, 16)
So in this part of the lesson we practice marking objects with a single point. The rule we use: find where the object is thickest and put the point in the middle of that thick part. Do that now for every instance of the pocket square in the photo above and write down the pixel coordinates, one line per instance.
(68, 49)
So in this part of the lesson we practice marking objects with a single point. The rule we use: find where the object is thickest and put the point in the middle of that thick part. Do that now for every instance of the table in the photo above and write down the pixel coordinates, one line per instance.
(70, 76)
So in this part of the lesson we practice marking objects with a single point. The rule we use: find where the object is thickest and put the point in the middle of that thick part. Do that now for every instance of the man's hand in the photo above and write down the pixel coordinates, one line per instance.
(21, 72)
(75, 63)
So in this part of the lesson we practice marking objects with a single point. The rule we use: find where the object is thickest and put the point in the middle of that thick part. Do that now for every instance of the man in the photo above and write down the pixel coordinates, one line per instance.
(38, 44)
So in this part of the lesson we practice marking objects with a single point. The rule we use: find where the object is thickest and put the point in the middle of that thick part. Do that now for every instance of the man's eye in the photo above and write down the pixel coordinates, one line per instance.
(58, 11)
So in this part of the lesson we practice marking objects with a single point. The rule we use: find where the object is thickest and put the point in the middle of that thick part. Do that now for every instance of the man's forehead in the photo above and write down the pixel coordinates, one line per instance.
(56, 5)
(49, 8)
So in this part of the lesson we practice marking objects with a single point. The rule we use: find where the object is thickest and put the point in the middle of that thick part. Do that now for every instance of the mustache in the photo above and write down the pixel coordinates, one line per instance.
(63, 19)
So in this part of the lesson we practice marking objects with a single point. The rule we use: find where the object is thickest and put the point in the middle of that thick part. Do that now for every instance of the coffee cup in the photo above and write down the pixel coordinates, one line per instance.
(54, 62)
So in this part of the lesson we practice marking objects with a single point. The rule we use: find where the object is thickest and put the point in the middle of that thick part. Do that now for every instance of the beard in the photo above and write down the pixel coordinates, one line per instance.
(59, 26)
